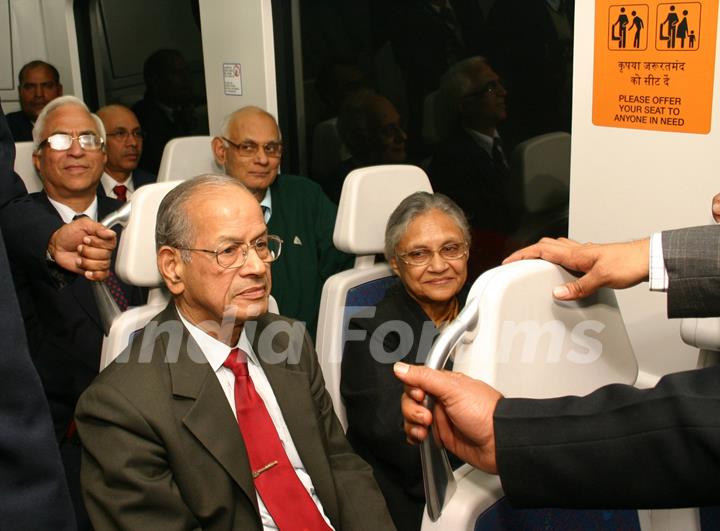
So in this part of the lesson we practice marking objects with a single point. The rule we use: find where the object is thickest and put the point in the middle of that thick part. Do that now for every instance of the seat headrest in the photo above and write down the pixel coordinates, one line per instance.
(544, 167)
(25, 168)
(187, 157)
(136, 261)
(369, 196)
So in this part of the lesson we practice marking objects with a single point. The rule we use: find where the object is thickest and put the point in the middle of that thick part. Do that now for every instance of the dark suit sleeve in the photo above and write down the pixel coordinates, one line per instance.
(33, 492)
(26, 226)
(372, 396)
(362, 506)
(692, 260)
(126, 477)
(619, 447)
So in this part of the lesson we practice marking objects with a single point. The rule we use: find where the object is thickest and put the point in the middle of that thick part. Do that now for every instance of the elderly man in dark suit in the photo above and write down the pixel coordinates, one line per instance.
(619, 446)
(33, 491)
(216, 416)
(61, 318)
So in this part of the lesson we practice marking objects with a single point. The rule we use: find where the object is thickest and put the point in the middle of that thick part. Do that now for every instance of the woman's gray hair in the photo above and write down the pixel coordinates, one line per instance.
(415, 205)
(173, 227)
(62, 101)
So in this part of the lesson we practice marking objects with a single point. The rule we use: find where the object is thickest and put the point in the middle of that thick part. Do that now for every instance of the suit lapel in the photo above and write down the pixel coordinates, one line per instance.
(209, 418)
(291, 389)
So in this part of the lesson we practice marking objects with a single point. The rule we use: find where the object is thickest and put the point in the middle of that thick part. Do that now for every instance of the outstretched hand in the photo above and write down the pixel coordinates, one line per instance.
(613, 265)
(463, 412)
(84, 247)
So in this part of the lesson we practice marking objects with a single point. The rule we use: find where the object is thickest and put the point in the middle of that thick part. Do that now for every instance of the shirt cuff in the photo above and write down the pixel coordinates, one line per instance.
(658, 274)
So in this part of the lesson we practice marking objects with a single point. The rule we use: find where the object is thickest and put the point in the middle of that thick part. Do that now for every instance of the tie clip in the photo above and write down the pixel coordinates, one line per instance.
(263, 469)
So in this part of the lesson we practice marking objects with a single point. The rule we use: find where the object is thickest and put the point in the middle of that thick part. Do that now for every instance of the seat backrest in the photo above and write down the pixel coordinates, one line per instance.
(528, 344)
(136, 264)
(25, 168)
(377, 190)
(542, 164)
(186, 157)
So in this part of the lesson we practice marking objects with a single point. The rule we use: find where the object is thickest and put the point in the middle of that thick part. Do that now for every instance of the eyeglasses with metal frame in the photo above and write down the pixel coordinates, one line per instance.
(250, 149)
(63, 141)
(233, 255)
(423, 256)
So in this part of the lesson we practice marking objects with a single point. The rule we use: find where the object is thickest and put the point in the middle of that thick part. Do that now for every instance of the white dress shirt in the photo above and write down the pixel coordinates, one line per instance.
(108, 183)
(658, 276)
(216, 353)
(67, 214)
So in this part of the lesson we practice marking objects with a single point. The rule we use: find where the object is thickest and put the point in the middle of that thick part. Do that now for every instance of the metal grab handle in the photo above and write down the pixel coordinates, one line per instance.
(107, 307)
(438, 477)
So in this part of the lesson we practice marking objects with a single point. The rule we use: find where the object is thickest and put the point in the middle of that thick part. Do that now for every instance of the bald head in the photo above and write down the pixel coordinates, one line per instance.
(124, 140)
(249, 148)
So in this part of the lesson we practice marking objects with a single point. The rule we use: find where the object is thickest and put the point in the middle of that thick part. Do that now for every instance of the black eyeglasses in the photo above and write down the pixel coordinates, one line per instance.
(63, 141)
(233, 255)
(423, 256)
(123, 134)
(250, 149)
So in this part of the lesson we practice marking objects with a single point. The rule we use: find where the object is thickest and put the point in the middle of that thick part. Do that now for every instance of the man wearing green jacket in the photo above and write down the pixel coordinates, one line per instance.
(295, 208)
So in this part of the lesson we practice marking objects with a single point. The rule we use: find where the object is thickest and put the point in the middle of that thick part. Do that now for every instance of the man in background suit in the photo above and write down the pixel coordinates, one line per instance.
(123, 147)
(61, 318)
(33, 491)
(169, 442)
(618, 447)
(38, 84)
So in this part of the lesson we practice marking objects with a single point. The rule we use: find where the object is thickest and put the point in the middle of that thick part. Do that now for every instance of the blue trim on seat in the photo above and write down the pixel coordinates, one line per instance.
(503, 517)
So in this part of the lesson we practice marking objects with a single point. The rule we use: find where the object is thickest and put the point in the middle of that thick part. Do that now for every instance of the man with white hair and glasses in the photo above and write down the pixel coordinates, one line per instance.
(61, 318)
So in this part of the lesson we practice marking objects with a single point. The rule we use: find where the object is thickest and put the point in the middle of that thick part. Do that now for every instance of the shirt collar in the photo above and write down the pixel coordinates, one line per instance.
(483, 140)
(266, 205)
(216, 352)
(108, 183)
(68, 214)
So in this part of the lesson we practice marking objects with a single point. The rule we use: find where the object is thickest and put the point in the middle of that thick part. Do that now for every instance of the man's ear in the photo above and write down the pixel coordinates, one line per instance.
(36, 162)
(218, 147)
(172, 269)
(60, 89)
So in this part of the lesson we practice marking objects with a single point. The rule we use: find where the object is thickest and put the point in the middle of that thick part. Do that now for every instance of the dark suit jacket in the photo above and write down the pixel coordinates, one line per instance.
(63, 327)
(459, 168)
(162, 449)
(371, 394)
(621, 446)
(20, 126)
(33, 493)
(304, 217)
(141, 177)
(27, 227)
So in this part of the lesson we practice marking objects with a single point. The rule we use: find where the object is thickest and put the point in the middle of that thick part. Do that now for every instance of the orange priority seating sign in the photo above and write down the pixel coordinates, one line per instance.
(654, 65)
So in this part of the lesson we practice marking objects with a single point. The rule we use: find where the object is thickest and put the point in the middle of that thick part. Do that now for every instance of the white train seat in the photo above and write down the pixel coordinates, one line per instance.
(541, 170)
(527, 344)
(25, 168)
(186, 157)
(136, 264)
(369, 196)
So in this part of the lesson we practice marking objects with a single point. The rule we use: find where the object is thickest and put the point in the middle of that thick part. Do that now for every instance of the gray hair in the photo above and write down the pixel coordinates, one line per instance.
(415, 205)
(172, 225)
(230, 118)
(39, 127)
(456, 83)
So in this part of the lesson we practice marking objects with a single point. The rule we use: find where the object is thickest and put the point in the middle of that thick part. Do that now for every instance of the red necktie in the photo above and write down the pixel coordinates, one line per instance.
(282, 492)
(120, 192)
